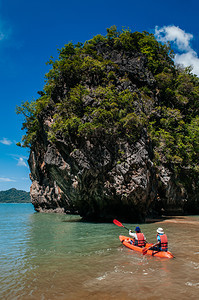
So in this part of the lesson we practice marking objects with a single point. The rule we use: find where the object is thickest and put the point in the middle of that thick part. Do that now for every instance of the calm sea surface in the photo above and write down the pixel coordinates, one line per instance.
(50, 256)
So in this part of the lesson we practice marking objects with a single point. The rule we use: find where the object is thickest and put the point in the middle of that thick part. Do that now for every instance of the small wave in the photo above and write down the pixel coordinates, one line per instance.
(102, 277)
(196, 284)
(195, 265)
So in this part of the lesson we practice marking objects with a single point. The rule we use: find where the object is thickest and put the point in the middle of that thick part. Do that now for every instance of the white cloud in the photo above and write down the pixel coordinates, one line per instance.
(188, 59)
(22, 163)
(5, 141)
(2, 36)
(21, 160)
(186, 56)
(2, 179)
(176, 35)
(5, 29)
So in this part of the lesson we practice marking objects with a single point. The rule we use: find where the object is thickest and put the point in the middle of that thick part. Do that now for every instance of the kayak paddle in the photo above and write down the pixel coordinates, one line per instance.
(144, 251)
(116, 222)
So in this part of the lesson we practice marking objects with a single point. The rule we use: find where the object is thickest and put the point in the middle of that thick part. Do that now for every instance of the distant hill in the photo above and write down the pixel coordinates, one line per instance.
(14, 196)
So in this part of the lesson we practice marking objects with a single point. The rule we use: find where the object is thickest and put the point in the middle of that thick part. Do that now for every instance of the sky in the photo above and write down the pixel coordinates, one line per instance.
(32, 31)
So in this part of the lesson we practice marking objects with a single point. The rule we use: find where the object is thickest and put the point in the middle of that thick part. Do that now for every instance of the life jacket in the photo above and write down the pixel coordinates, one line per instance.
(164, 242)
(140, 242)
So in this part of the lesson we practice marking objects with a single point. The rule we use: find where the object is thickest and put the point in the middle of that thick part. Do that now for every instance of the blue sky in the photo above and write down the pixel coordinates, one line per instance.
(32, 31)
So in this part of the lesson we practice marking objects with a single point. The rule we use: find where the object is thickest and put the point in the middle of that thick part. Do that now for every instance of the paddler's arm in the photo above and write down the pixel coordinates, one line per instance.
(154, 245)
(132, 234)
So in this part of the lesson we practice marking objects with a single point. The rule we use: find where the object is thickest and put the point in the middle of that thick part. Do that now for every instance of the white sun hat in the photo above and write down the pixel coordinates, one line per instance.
(160, 230)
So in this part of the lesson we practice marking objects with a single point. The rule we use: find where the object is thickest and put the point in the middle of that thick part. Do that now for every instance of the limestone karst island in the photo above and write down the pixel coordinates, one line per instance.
(115, 132)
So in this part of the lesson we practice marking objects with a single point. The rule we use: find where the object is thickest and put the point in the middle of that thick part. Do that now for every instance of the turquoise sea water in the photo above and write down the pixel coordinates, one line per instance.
(51, 256)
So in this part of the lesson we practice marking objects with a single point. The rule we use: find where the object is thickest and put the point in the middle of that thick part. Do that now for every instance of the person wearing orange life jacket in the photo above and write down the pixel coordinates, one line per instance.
(138, 236)
(162, 242)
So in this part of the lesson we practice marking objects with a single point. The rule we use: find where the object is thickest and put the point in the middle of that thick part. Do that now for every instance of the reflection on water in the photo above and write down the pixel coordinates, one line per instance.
(49, 256)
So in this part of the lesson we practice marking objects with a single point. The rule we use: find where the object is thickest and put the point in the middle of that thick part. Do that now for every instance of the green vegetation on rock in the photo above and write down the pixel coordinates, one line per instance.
(87, 91)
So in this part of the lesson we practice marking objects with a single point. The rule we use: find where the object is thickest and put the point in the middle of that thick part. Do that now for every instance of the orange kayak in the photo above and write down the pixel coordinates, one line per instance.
(126, 241)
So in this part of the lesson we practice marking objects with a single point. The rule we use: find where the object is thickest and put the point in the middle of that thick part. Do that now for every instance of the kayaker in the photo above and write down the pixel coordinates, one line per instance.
(138, 237)
(162, 242)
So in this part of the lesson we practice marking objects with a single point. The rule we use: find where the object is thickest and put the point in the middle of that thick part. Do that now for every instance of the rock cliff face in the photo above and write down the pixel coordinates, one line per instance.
(99, 183)
(104, 175)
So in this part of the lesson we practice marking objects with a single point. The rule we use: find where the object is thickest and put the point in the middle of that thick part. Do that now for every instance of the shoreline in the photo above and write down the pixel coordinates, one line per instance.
(173, 219)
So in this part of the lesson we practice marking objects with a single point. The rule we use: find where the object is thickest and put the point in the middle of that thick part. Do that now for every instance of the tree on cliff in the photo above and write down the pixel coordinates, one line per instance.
(121, 85)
